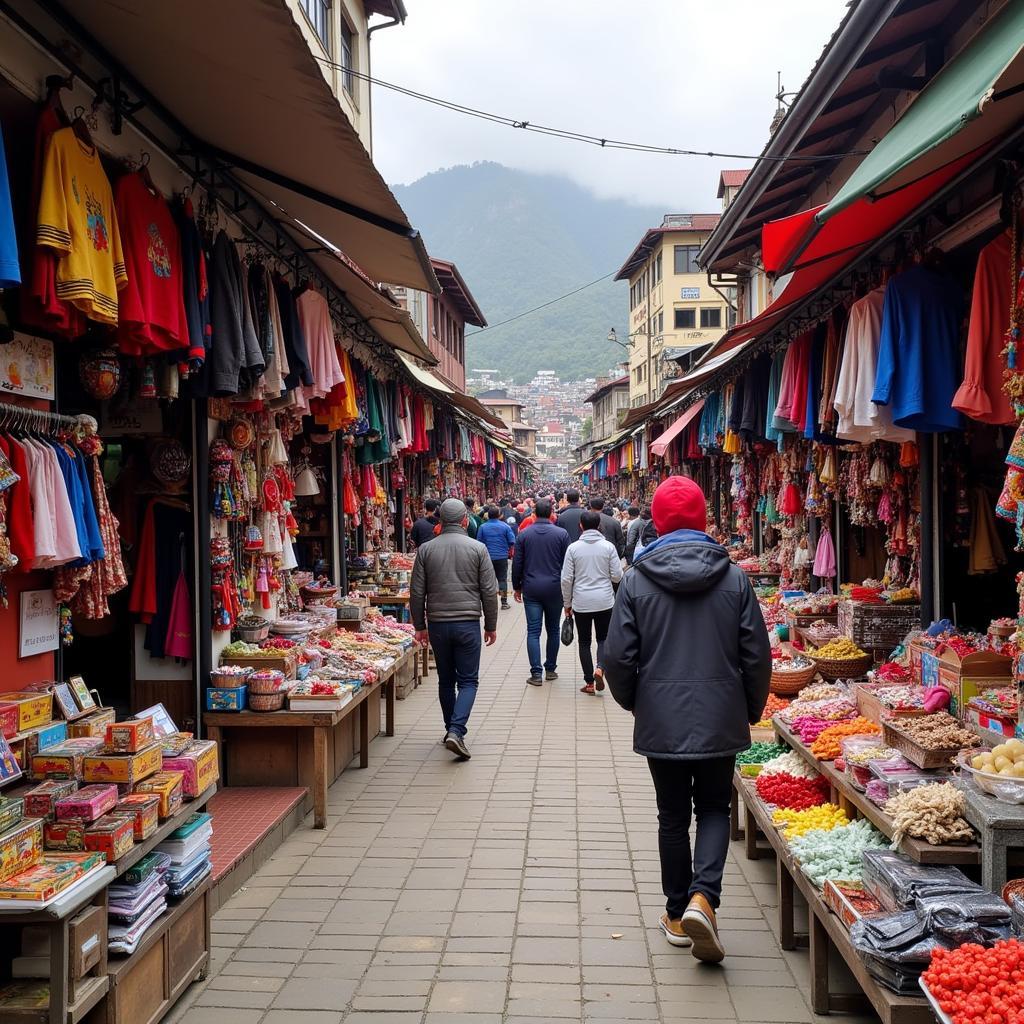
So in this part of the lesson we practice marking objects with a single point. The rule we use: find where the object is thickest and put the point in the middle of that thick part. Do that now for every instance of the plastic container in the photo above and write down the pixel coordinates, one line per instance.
(1002, 787)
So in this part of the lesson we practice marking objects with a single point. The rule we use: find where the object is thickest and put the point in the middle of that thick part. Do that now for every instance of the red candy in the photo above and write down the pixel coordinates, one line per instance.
(974, 985)
(792, 792)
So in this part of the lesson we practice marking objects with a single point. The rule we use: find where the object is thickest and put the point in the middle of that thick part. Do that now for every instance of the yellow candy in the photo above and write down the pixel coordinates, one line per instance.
(798, 823)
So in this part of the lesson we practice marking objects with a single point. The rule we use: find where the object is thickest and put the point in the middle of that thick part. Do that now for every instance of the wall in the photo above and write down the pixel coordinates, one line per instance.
(19, 672)
(450, 335)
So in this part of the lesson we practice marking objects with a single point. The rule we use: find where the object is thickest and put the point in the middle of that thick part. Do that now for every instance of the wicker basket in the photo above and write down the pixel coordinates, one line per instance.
(267, 701)
(312, 595)
(869, 706)
(784, 684)
(841, 668)
(914, 752)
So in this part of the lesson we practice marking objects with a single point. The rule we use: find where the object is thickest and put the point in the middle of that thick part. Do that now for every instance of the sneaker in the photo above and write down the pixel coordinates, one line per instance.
(702, 928)
(599, 678)
(550, 675)
(457, 745)
(588, 688)
(535, 680)
(674, 931)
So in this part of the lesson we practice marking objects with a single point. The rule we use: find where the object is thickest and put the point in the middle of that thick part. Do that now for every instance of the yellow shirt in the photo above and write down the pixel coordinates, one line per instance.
(76, 217)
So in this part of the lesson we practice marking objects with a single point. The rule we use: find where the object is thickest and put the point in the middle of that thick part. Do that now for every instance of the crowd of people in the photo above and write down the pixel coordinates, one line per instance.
(681, 645)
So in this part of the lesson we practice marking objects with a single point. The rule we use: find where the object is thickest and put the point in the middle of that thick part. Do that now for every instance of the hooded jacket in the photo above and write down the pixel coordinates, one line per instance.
(687, 650)
(453, 581)
(590, 568)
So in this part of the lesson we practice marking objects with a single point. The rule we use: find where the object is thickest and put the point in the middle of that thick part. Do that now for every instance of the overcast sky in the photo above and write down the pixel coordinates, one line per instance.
(696, 74)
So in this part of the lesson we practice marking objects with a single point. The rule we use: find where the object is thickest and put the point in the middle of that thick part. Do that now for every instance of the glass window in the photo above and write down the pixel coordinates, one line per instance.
(685, 319)
(711, 317)
(347, 48)
(319, 14)
(686, 259)
(661, 322)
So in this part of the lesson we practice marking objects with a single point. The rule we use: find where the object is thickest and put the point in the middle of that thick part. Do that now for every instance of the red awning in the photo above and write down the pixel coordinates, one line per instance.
(799, 241)
(660, 446)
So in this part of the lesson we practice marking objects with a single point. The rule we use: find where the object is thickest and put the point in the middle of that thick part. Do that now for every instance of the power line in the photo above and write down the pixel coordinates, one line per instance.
(573, 136)
(543, 305)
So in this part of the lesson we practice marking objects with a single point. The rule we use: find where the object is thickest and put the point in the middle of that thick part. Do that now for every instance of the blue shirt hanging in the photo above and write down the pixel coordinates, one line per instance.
(10, 273)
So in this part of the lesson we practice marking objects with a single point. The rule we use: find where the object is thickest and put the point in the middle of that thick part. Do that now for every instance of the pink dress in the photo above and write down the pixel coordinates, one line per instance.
(315, 320)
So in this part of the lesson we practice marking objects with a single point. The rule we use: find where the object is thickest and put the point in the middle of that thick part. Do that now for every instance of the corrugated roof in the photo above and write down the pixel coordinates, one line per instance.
(731, 179)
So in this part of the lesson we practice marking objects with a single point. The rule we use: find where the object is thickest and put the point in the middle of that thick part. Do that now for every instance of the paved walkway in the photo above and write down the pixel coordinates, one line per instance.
(517, 888)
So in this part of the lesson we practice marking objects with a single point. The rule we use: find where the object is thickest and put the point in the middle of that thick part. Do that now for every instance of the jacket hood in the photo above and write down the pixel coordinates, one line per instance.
(591, 536)
(685, 562)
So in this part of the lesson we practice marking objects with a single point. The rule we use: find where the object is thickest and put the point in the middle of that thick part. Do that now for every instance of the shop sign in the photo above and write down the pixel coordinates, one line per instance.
(689, 293)
(26, 367)
(40, 625)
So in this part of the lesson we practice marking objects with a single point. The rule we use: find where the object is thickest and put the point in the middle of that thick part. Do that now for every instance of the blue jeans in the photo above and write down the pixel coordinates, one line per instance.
(456, 648)
(549, 614)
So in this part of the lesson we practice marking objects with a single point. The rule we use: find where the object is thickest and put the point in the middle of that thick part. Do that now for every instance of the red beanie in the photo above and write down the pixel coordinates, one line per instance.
(679, 504)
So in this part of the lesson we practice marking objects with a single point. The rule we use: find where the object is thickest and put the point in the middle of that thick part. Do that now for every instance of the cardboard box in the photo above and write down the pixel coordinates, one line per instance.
(106, 766)
(130, 737)
(198, 765)
(997, 727)
(87, 938)
(64, 836)
(9, 716)
(40, 801)
(20, 848)
(166, 785)
(33, 708)
(144, 810)
(112, 835)
(174, 743)
(12, 810)
(89, 803)
(46, 736)
(65, 761)
(93, 725)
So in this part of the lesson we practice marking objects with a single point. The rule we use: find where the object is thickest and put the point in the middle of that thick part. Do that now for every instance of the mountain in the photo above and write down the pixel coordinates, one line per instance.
(521, 239)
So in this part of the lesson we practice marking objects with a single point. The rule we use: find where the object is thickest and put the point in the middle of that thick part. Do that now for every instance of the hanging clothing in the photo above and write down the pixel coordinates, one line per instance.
(20, 522)
(829, 375)
(10, 268)
(60, 543)
(859, 418)
(771, 431)
(108, 576)
(315, 320)
(77, 219)
(986, 552)
(234, 359)
(825, 557)
(294, 338)
(194, 285)
(919, 351)
(981, 394)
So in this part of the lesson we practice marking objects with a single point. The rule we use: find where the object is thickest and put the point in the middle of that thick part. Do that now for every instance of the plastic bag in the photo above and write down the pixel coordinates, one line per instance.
(568, 631)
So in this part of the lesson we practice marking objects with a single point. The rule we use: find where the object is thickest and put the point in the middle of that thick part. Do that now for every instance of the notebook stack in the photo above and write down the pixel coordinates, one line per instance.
(136, 901)
(189, 850)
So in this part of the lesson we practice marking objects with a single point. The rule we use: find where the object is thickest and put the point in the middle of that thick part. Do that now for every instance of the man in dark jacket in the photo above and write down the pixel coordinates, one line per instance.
(633, 528)
(610, 527)
(423, 529)
(569, 517)
(537, 580)
(687, 653)
(453, 584)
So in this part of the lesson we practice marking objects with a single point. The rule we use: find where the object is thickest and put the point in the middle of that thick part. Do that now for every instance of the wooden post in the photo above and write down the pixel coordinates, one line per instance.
(320, 774)
(364, 731)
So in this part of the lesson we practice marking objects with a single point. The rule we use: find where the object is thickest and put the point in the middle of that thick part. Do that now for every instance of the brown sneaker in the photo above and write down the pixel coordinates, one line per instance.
(702, 928)
(674, 931)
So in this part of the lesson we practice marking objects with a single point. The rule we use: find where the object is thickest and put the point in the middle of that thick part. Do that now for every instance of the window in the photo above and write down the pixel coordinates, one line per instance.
(656, 270)
(686, 259)
(661, 321)
(685, 319)
(436, 318)
(318, 12)
(711, 317)
(347, 46)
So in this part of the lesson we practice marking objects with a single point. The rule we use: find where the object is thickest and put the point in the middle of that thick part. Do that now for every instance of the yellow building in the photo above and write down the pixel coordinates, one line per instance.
(672, 307)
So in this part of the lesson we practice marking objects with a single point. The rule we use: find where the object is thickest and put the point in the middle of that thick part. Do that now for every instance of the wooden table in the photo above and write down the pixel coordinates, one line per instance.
(402, 601)
(321, 722)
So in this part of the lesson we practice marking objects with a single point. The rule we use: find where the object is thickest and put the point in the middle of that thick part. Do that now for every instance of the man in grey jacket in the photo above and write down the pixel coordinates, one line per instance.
(453, 583)
(688, 654)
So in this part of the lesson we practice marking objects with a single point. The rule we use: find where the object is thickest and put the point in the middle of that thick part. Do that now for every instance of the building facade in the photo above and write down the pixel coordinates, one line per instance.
(672, 307)
(510, 411)
(609, 403)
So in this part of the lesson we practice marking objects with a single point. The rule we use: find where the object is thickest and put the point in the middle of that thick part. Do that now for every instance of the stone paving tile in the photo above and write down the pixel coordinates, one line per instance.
(488, 892)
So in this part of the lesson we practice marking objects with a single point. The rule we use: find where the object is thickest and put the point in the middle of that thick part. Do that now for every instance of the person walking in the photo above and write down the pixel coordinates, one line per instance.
(688, 654)
(453, 584)
(590, 570)
(537, 582)
(634, 524)
(499, 539)
(475, 519)
(423, 529)
(610, 526)
(569, 517)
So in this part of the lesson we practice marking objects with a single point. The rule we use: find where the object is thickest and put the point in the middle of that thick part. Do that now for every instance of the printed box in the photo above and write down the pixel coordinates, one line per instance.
(92, 725)
(226, 698)
(64, 836)
(65, 761)
(12, 810)
(89, 803)
(49, 877)
(33, 708)
(20, 848)
(144, 810)
(130, 737)
(40, 801)
(166, 785)
(198, 765)
(106, 766)
(9, 716)
(112, 835)
(174, 743)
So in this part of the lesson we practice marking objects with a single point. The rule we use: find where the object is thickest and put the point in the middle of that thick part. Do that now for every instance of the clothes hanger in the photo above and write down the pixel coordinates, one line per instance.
(79, 126)
(143, 173)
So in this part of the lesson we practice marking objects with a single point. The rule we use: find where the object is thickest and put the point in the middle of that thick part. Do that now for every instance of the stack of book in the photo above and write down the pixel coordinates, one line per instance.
(136, 901)
(189, 850)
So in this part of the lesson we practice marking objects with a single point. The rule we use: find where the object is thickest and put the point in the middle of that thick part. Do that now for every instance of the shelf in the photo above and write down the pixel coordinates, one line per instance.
(65, 905)
(92, 991)
(139, 850)
(848, 796)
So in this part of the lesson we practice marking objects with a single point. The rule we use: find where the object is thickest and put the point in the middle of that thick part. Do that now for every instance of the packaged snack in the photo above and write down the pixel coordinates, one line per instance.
(129, 737)
(64, 836)
(40, 800)
(144, 810)
(112, 835)
(167, 786)
(198, 766)
(89, 803)
(21, 847)
(33, 708)
(107, 766)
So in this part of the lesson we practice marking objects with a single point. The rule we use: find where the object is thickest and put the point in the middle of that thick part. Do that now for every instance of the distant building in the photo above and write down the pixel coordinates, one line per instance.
(510, 412)
(672, 306)
(609, 402)
(729, 183)
(551, 438)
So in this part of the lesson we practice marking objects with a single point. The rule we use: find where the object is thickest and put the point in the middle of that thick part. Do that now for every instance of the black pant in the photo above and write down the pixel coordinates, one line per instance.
(585, 622)
(682, 787)
(501, 574)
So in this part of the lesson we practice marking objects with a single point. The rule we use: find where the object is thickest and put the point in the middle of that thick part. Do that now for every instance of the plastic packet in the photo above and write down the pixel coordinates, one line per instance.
(896, 881)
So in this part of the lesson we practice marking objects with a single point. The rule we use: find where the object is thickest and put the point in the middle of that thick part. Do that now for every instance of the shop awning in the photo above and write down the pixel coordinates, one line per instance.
(660, 445)
(240, 79)
(467, 403)
(974, 100)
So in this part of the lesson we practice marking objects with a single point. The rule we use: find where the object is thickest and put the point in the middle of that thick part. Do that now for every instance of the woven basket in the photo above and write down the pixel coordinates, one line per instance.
(316, 595)
(267, 701)
(914, 752)
(786, 683)
(842, 668)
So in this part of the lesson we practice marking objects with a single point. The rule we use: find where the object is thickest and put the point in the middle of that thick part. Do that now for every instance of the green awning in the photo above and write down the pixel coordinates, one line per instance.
(974, 100)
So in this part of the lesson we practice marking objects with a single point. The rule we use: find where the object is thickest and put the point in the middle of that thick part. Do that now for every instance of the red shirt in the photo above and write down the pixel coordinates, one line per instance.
(151, 306)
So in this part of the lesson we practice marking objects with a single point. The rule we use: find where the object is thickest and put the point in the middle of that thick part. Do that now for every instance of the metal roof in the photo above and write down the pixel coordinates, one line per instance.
(455, 288)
